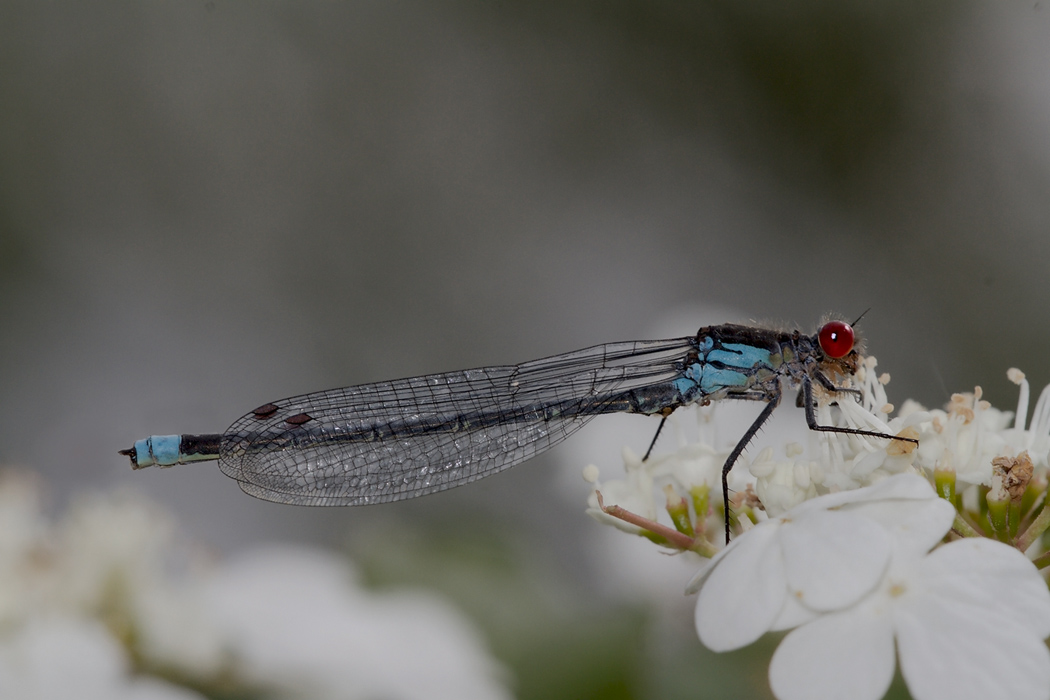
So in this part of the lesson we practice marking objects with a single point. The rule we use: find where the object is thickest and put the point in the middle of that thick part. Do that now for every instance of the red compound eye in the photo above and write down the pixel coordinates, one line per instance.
(836, 339)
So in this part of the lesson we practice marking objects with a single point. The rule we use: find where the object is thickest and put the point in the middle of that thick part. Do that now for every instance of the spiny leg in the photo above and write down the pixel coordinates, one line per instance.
(823, 380)
(747, 396)
(774, 400)
(811, 416)
(653, 443)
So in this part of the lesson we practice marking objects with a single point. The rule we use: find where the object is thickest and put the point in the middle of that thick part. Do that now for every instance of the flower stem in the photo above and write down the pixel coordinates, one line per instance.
(671, 537)
(1042, 562)
(1037, 528)
(963, 527)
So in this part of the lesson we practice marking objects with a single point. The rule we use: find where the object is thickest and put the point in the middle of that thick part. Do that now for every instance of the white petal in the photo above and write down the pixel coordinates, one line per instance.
(917, 525)
(992, 578)
(945, 653)
(793, 614)
(901, 486)
(915, 418)
(698, 579)
(907, 486)
(743, 594)
(833, 558)
(863, 466)
(844, 655)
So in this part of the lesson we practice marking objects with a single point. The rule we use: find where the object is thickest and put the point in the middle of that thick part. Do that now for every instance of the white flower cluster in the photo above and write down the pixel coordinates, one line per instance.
(832, 462)
(836, 462)
(841, 543)
(963, 439)
(970, 433)
(97, 595)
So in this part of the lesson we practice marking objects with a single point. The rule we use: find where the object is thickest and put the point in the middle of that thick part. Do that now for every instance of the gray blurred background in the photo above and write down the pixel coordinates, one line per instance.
(205, 206)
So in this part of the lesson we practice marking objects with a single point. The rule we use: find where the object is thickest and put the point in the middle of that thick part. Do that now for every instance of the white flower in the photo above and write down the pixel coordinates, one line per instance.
(1036, 439)
(290, 623)
(642, 491)
(736, 606)
(176, 629)
(23, 546)
(634, 492)
(827, 462)
(107, 549)
(846, 551)
(57, 657)
(852, 572)
(969, 621)
(296, 622)
(964, 438)
(970, 433)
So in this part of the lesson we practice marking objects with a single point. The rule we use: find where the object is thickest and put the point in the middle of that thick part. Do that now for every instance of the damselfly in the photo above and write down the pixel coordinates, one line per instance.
(388, 441)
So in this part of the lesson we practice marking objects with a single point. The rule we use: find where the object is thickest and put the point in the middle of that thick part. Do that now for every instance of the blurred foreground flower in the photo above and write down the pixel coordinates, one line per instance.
(74, 657)
(111, 597)
(848, 544)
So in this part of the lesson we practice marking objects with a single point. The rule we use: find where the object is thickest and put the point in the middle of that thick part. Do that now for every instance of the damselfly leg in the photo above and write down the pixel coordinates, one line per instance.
(810, 405)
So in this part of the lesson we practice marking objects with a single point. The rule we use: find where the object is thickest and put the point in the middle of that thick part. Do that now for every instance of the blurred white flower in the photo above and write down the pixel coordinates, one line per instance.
(57, 658)
(175, 629)
(24, 551)
(100, 589)
(295, 621)
(107, 549)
